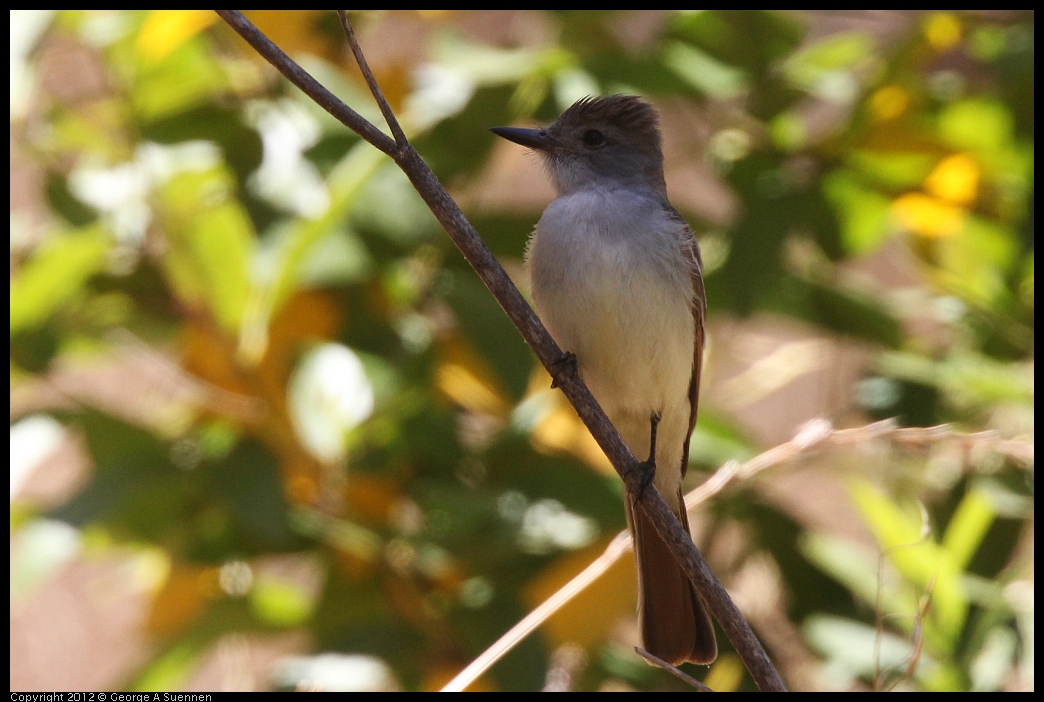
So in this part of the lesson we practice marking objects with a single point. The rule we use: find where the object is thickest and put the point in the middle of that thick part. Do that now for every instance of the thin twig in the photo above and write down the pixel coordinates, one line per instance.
(360, 58)
(925, 537)
(671, 669)
(309, 85)
(528, 624)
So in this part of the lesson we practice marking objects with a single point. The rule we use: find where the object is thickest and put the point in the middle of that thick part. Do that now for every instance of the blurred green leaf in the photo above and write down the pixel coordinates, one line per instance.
(974, 262)
(968, 380)
(748, 39)
(170, 670)
(211, 243)
(854, 646)
(703, 72)
(388, 203)
(280, 603)
(919, 560)
(182, 80)
(248, 482)
(505, 234)
(864, 213)
(33, 349)
(857, 568)
(75, 212)
(56, 275)
(892, 169)
(976, 124)
(716, 440)
(855, 649)
(819, 66)
(967, 527)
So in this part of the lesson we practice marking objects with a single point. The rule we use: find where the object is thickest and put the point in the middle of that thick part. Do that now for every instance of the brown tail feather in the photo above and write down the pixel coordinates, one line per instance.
(674, 623)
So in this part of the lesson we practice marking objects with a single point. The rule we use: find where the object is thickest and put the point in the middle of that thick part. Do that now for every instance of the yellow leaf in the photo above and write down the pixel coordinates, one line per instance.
(165, 30)
(889, 102)
(465, 388)
(726, 675)
(181, 599)
(299, 31)
(943, 30)
(464, 377)
(562, 430)
(927, 215)
(955, 178)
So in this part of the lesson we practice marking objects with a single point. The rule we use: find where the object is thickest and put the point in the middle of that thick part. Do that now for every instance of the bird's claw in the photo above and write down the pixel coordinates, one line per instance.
(563, 365)
(647, 467)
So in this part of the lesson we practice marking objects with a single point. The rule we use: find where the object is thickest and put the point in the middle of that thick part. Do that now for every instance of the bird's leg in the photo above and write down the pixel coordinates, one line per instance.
(648, 466)
(563, 365)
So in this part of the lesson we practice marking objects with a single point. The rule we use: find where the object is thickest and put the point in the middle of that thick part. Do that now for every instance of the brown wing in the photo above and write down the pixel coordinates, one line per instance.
(673, 618)
(691, 251)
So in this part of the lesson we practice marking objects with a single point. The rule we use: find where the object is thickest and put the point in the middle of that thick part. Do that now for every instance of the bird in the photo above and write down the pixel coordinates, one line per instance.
(617, 278)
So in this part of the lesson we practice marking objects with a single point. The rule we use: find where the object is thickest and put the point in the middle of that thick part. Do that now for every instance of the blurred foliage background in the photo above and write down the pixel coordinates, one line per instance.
(269, 430)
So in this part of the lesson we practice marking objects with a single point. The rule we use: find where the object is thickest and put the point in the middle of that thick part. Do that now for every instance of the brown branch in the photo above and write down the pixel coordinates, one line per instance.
(528, 324)
(360, 58)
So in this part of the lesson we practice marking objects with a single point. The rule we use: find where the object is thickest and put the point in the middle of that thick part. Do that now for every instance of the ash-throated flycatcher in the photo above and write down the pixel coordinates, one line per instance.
(616, 277)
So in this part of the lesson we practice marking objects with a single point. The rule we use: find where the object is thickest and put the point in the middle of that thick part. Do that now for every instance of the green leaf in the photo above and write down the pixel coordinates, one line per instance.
(921, 562)
(389, 204)
(716, 440)
(184, 79)
(33, 349)
(506, 234)
(56, 275)
(855, 567)
(248, 482)
(976, 124)
(703, 72)
(753, 40)
(460, 144)
(280, 603)
(826, 68)
(864, 213)
(837, 52)
(211, 243)
(968, 526)
(289, 251)
(974, 262)
(74, 211)
(170, 670)
(854, 646)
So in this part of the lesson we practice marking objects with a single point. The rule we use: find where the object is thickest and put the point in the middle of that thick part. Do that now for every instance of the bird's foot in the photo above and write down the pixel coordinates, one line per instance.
(647, 468)
(563, 367)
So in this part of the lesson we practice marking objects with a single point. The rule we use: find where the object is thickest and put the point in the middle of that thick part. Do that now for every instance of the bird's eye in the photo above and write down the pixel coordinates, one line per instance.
(593, 138)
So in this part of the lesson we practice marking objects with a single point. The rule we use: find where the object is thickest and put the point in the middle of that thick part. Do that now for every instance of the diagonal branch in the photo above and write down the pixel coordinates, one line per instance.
(529, 325)
(360, 58)
(673, 670)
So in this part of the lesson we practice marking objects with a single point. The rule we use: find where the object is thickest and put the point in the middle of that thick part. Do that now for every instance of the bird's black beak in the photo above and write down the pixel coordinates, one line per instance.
(537, 139)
